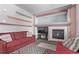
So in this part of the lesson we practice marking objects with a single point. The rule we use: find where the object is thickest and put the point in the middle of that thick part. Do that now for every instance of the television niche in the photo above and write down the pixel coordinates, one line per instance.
(58, 34)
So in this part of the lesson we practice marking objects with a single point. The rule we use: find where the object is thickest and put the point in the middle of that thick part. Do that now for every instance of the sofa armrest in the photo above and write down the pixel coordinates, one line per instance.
(3, 46)
(60, 49)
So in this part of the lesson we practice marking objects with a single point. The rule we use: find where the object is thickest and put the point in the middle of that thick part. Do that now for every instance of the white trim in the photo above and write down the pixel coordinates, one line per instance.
(50, 33)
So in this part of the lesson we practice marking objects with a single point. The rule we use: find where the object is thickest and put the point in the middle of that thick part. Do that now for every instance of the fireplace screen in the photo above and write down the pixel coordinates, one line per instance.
(58, 33)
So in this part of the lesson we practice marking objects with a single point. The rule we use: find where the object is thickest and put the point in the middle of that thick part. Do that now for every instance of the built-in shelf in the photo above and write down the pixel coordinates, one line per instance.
(15, 18)
(15, 24)
(57, 24)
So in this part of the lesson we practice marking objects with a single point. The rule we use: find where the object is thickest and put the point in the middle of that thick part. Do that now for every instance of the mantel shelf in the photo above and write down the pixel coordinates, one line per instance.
(14, 24)
(57, 24)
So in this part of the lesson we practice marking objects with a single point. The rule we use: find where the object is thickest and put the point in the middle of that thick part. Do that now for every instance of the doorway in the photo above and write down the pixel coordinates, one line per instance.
(42, 33)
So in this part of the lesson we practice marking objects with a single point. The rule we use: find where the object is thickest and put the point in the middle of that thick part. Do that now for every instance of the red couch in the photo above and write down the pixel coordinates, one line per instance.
(20, 39)
(60, 49)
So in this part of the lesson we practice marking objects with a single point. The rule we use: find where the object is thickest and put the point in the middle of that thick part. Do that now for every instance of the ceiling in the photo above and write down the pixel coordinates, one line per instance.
(37, 8)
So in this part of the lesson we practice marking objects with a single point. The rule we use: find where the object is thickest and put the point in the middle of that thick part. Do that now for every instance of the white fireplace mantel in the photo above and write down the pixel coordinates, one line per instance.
(57, 27)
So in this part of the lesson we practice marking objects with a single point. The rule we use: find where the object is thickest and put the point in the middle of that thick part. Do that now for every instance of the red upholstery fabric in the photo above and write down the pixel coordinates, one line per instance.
(18, 35)
(3, 46)
(13, 43)
(19, 40)
(18, 44)
(60, 49)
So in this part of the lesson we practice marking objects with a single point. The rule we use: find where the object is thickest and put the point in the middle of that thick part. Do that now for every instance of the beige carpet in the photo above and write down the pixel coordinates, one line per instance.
(47, 46)
(35, 48)
(29, 49)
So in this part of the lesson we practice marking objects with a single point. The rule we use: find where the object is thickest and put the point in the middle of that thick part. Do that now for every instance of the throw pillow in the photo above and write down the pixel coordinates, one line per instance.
(72, 44)
(6, 38)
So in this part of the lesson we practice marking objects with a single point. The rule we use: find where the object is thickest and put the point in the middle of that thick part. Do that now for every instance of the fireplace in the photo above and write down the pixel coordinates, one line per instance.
(58, 34)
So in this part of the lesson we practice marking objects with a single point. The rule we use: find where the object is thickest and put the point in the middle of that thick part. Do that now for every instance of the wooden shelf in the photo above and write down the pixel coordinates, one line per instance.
(15, 18)
(15, 24)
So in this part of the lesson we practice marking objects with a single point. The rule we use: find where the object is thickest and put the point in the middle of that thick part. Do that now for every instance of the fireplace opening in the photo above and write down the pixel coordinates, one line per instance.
(58, 34)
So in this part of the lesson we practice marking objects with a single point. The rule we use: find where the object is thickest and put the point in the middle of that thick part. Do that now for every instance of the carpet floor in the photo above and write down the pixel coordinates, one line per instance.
(33, 48)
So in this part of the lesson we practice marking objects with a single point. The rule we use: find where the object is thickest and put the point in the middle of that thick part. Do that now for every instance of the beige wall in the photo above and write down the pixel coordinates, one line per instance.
(10, 9)
(72, 12)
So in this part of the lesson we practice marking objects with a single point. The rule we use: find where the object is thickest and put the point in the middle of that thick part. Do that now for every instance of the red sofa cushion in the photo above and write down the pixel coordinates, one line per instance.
(13, 43)
(18, 42)
(18, 35)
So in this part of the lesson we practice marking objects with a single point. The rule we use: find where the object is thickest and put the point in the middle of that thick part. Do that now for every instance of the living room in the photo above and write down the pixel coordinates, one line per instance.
(39, 28)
